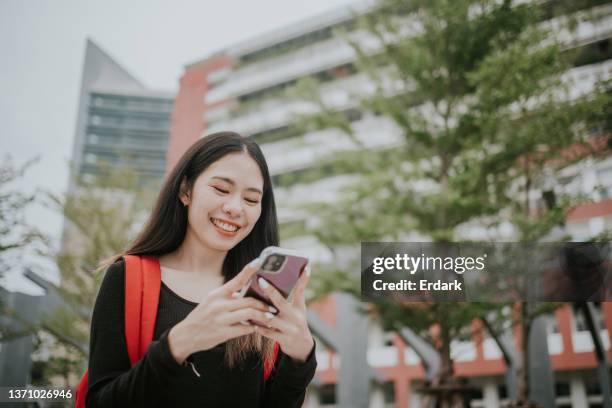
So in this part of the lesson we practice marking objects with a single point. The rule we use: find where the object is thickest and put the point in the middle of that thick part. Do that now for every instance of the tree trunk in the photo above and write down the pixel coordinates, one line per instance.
(449, 393)
(523, 371)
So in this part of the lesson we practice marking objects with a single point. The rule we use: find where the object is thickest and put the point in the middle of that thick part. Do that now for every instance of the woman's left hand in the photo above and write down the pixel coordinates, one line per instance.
(289, 327)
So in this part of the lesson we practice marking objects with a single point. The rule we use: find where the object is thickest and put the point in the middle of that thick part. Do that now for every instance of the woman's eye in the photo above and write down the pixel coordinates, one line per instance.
(251, 201)
(221, 190)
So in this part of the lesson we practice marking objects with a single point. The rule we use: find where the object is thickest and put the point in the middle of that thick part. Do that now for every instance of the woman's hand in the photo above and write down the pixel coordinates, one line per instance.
(289, 327)
(217, 317)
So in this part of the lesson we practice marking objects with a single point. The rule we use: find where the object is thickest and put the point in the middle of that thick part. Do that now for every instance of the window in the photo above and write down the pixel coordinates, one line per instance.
(388, 339)
(562, 389)
(502, 392)
(477, 394)
(605, 182)
(340, 71)
(579, 320)
(91, 158)
(593, 53)
(556, 8)
(327, 394)
(295, 43)
(553, 324)
(592, 386)
(273, 135)
(389, 391)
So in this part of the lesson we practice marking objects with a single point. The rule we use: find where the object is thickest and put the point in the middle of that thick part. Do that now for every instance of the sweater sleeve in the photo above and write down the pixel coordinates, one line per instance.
(113, 382)
(287, 384)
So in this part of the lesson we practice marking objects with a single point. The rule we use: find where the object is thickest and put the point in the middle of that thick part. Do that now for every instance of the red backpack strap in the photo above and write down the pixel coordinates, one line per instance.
(81, 391)
(150, 300)
(142, 284)
(269, 364)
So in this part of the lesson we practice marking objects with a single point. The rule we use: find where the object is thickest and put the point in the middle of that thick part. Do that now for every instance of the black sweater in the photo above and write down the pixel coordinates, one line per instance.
(158, 380)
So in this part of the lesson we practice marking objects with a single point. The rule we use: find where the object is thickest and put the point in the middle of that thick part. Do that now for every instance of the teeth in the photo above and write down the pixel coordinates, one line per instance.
(223, 225)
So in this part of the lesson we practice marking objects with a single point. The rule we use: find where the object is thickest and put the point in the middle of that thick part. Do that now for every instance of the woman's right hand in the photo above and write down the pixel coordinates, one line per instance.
(218, 317)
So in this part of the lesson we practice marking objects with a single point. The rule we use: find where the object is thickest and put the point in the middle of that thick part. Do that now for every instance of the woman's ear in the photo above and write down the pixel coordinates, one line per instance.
(184, 195)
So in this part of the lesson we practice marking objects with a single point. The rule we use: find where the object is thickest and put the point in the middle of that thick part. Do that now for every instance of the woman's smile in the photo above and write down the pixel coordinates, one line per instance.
(225, 228)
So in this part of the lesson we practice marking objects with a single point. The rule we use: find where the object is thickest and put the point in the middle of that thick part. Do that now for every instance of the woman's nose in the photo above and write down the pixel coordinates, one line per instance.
(232, 207)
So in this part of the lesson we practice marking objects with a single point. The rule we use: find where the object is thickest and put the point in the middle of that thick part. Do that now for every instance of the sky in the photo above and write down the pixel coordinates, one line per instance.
(42, 46)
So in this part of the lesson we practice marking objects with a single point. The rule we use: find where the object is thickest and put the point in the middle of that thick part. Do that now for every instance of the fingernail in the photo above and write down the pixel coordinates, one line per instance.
(308, 270)
(269, 315)
(245, 323)
(255, 263)
(272, 309)
(263, 283)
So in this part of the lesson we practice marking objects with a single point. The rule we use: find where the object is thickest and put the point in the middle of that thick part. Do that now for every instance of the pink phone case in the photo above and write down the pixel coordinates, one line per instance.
(284, 279)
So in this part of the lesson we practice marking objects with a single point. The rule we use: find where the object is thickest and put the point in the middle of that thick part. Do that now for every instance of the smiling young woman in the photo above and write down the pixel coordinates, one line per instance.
(214, 215)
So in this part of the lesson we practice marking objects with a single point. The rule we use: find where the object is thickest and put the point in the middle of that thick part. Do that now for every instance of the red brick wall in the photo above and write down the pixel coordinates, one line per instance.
(189, 107)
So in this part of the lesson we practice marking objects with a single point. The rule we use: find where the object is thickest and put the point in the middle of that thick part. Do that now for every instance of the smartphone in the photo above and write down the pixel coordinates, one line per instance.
(281, 268)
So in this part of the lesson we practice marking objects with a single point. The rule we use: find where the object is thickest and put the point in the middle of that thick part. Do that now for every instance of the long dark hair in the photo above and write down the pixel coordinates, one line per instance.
(166, 227)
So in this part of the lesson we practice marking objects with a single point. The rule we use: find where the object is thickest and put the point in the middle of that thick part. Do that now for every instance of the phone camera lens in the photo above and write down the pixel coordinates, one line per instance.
(269, 265)
(274, 263)
(279, 261)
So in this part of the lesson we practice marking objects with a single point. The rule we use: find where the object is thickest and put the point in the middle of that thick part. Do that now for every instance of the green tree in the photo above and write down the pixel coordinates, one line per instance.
(101, 217)
(17, 236)
(15, 233)
(475, 90)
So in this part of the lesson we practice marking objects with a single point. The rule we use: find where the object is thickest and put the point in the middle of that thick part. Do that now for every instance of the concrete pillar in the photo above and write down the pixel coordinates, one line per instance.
(542, 383)
(490, 396)
(350, 341)
(377, 398)
(354, 373)
(312, 398)
(578, 393)
(415, 400)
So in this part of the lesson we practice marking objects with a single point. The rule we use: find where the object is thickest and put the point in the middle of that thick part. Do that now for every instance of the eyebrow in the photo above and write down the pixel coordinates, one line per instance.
(230, 181)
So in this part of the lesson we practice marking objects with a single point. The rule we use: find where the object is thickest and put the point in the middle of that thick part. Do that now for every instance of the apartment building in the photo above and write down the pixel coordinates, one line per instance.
(241, 88)
(120, 122)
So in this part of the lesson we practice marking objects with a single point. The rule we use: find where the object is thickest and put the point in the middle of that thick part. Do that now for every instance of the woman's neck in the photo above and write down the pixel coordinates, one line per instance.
(192, 256)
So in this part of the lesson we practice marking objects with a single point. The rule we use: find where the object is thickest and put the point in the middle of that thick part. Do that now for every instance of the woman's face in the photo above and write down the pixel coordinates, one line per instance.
(225, 202)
